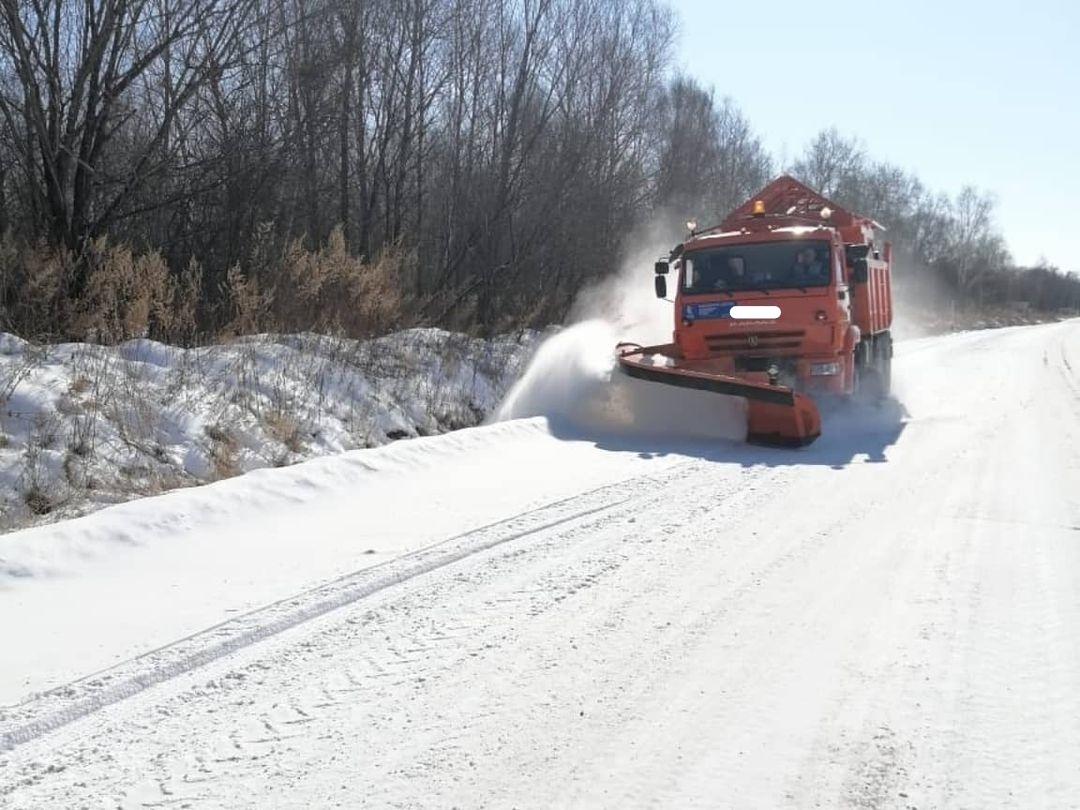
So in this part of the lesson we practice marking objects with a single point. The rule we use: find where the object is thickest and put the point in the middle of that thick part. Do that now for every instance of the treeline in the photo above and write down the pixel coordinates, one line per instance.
(950, 247)
(184, 168)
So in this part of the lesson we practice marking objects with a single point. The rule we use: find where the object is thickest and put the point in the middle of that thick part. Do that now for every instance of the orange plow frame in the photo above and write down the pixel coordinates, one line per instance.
(777, 416)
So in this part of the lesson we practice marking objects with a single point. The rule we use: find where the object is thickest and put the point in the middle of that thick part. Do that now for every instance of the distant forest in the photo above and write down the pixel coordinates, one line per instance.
(192, 169)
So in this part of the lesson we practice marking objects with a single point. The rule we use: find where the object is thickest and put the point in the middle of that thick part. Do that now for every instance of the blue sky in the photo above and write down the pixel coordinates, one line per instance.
(986, 93)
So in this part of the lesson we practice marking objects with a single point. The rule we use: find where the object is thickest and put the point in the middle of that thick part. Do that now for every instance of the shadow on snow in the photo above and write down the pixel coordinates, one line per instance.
(848, 431)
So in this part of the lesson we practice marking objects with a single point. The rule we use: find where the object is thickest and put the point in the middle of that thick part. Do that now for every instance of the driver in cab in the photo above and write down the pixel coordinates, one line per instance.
(808, 268)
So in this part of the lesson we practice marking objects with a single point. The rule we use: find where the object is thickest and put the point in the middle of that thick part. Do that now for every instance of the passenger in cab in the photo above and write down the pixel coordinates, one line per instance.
(808, 269)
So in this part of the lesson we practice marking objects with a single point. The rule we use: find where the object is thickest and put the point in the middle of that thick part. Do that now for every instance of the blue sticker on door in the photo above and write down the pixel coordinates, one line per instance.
(703, 312)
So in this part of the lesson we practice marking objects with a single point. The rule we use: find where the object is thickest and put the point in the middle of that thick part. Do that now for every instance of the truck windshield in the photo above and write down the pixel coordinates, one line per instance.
(765, 265)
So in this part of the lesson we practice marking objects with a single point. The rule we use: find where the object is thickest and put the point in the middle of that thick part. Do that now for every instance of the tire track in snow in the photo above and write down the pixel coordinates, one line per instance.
(1068, 374)
(993, 644)
(340, 661)
(895, 590)
(58, 707)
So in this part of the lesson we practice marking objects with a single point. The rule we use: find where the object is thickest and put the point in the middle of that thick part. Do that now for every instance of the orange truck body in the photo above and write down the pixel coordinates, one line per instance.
(825, 277)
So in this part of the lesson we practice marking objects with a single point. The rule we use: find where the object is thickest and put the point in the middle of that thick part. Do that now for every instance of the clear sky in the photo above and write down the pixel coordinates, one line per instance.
(956, 91)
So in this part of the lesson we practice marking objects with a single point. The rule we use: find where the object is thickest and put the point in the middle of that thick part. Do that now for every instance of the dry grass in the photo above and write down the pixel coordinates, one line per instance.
(106, 294)
(222, 453)
(37, 500)
(40, 494)
(328, 291)
(284, 429)
(109, 293)
(11, 374)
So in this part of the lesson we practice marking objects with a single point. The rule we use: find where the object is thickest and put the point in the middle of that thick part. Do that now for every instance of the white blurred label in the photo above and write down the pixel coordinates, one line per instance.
(744, 311)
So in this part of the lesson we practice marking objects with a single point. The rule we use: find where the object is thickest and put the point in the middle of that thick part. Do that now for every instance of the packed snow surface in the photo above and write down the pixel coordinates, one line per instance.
(572, 606)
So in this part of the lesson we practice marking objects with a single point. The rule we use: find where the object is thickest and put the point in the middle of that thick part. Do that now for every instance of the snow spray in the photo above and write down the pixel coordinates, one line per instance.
(573, 378)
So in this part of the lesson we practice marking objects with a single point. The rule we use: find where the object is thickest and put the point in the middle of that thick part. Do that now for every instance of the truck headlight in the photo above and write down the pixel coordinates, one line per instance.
(824, 369)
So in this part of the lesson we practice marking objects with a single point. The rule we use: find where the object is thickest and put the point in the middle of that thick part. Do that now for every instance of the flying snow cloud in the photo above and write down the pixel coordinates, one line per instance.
(574, 381)
(627, 301)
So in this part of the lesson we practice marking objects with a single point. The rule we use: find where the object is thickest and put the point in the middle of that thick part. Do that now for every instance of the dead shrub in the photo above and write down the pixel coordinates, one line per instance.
(45, 429)
(124, 294)
(284, 429)
(38, 491)
(216, 433)
(13, 372)
(332, 291)
(34, 284)
(132, 409)
(222, 453)
(108, 293)
(247, 304)
(38, 501)
(182, 323)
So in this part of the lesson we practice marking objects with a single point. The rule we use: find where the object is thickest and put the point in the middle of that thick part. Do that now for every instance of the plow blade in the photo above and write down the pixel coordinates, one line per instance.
(776, 415)
(795, 425)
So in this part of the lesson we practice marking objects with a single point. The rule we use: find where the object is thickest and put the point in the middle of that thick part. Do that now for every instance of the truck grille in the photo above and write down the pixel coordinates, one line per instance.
(785, 364)
(755, 342)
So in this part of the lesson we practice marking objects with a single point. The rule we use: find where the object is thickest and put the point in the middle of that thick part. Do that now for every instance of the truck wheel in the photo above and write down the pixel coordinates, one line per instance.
(883, 361)
(872, 376)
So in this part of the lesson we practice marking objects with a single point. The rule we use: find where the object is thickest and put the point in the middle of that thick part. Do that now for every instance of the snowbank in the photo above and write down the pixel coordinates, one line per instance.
(84, 426)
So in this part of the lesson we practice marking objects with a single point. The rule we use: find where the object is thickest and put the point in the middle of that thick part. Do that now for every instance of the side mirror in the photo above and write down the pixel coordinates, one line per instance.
(860, 271)
(661, 267)
(855, 252)
(661, 286)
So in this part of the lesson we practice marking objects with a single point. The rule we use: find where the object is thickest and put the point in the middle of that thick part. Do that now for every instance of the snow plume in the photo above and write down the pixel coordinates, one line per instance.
(628, 300)
(923, 304)
(573, 379)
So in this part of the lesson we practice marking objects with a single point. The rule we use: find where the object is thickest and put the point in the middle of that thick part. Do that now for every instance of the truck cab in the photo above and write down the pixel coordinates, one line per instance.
(798, 298)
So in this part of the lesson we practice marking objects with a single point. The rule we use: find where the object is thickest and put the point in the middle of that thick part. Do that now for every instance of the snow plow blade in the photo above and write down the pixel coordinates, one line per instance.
(772, 425)
(777, 416)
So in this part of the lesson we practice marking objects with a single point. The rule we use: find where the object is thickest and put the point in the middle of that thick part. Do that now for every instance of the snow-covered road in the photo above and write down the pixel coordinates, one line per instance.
(889, 618)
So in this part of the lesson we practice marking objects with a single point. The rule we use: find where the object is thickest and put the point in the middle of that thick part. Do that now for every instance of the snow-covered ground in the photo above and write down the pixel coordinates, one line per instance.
(570, 608)
(84, 426)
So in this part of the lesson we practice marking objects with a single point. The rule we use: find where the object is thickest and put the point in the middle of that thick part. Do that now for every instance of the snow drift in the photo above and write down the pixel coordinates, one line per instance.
(84, 426)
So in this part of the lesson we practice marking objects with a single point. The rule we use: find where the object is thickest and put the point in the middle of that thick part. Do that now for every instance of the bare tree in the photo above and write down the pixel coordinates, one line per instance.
(77, 71)
(976, 249)
(474, 161)
(831, 164)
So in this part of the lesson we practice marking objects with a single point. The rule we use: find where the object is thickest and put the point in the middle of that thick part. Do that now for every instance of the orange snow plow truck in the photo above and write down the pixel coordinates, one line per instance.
(788, 298)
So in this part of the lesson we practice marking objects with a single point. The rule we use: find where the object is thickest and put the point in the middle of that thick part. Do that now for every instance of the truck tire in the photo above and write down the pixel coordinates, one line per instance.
(883, 352)
(873, 371)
